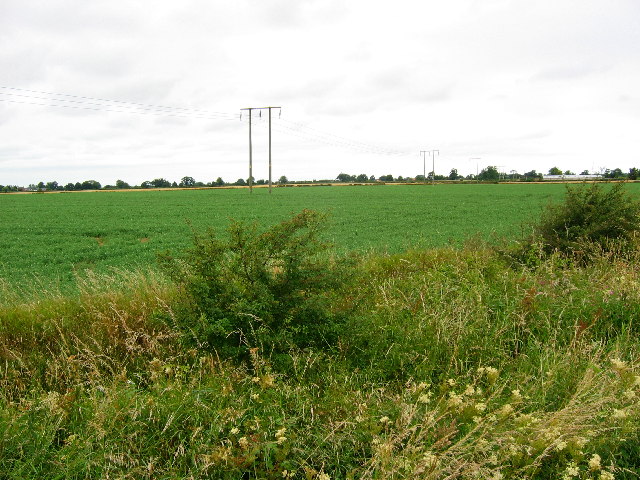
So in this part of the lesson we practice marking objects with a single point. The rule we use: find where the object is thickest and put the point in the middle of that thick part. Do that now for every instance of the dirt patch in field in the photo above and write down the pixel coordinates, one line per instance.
(144, 240)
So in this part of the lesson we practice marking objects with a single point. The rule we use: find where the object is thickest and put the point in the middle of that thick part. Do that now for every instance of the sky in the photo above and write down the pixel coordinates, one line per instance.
(145, 89)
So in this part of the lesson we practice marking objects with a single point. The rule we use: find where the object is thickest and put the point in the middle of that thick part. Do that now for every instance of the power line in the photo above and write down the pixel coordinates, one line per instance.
(113, 110)
(338, 140)
(25, 96)
(326, 138)
(120, 102)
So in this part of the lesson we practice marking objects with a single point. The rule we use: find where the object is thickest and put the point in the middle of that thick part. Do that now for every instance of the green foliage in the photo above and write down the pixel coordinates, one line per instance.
(270, 289)
(187, 182)
(592, 216)
(489, 174)
(450, 362)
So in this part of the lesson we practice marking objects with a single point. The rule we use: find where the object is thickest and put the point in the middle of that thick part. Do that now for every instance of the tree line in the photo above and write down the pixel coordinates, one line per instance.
(487, 174)
(185, 182)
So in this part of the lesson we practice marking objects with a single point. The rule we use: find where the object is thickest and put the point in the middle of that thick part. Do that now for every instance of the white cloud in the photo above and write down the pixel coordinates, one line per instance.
(523, 84)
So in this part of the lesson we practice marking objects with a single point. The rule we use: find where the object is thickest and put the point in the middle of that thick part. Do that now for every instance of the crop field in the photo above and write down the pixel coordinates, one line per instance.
(49, 238)
(260, 358)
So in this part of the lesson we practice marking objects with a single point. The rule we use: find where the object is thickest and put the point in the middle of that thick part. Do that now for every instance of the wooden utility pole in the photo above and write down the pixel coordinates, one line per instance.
(250, 157)
(433, 164)
(250, 109)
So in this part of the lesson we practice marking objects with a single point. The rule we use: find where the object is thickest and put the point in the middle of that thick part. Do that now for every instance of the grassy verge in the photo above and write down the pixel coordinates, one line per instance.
(452, 365)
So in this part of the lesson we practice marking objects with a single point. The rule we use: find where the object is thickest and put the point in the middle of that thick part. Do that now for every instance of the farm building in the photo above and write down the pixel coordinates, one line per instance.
(566, 178)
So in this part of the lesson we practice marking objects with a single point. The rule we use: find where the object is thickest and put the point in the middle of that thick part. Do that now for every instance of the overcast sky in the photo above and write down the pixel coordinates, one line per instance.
(364, 86)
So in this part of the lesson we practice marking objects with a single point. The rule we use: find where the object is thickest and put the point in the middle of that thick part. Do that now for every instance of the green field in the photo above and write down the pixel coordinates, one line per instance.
(50, 237)
(260, 357)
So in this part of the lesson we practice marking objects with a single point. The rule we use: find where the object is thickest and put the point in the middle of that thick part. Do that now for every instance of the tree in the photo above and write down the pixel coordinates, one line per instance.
(52, 185)
(490, 174)
(633, 173)
(122, 184)
(386, 178)
(532, 176)
(283, 180)
(584, 172)
(240, 182)
(372, 178)
(453, 174)
(146, 184)
(362, 178)
(616, 173)
(219, 182)
(90, 185)
(160, 183)
(555, 171)
(69, 186)
(345, 177)
(187, 182)
(569, 172)
(420, 178)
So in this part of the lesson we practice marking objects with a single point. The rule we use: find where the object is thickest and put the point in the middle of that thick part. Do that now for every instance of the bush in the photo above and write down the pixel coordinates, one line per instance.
(593, 219)
(272, 289)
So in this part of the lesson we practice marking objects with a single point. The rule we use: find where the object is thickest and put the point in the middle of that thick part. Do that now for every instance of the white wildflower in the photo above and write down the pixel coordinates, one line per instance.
(618, 414)
(572, 470)
(618, 364)
(594, 462)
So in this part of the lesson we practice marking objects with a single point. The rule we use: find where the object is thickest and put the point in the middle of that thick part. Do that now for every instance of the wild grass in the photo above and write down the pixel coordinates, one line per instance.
(453, 364)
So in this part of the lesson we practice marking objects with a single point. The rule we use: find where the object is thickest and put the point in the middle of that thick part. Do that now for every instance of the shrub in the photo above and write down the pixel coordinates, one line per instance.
(592, 220)
(271, 289)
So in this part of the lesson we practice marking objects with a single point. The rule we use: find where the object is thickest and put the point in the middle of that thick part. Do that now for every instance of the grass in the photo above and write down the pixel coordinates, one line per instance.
(454, 362)
(47, 239)
(453, 365)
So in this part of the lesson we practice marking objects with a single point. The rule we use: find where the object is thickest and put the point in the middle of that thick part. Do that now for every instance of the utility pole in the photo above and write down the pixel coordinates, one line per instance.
(476, 159)
(433, 165)
(432, 153)
(250, 109)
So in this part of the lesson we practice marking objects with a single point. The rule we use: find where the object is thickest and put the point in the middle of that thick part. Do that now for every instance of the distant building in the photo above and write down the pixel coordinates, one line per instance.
(567, 178)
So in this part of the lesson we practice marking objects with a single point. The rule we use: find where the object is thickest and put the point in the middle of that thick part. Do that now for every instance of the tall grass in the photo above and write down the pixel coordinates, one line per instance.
(452, 365)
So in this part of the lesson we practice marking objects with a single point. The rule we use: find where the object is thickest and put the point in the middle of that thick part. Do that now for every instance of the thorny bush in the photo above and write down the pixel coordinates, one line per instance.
(593, 220)
(273, 289)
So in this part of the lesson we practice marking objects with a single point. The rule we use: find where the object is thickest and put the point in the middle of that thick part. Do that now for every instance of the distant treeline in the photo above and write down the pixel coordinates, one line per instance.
(487, 174)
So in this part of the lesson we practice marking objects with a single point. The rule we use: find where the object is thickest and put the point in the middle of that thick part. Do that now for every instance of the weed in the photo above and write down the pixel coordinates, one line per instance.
(273, 289)
(593, 220)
